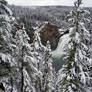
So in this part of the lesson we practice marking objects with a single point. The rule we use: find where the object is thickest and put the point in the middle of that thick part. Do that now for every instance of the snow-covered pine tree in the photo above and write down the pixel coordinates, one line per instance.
(12, 53)
(6, 47)
(73, 76)
(4, 9)
(24, 61)
(48, 78)
(37, 53)
(44, 79)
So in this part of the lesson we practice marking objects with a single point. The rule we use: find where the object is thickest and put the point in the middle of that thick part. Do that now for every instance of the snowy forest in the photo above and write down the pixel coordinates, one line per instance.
(45, 48)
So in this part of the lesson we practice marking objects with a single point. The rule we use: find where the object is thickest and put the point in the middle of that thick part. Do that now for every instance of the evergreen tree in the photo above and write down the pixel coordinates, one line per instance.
(48, 78)
(6, 47)
(37, 54)
(14, 49)
(24, 59)
(44, 79)
(74, 77)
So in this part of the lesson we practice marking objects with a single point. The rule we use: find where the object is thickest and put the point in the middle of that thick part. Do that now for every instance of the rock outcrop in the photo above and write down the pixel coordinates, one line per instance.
(50, 33)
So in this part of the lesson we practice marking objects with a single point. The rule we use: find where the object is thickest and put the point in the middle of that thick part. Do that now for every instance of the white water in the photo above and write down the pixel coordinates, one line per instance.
(59, 50)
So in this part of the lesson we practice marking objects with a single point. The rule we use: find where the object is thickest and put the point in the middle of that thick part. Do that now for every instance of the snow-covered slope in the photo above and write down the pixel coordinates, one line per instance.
(61, 45)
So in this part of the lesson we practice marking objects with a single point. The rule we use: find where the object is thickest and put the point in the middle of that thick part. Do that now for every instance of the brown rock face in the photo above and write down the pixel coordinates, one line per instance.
(50, 33)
